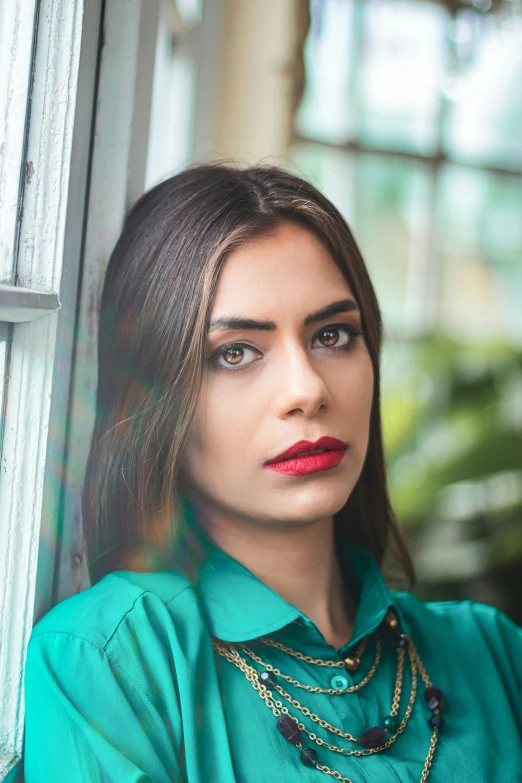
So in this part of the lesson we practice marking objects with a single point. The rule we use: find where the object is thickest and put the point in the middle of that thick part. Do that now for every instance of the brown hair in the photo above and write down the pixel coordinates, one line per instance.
(156, 304)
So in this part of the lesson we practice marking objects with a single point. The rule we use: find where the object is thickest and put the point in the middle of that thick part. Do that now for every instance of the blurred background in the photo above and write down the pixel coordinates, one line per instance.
(408, 115)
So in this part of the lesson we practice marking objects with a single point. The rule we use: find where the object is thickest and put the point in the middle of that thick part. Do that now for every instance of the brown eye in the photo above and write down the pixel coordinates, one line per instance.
(332, 335)
(228, 357)
(233, 353)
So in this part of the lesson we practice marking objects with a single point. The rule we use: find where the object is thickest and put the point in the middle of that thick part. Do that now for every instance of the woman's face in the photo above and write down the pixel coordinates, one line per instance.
(276, 386)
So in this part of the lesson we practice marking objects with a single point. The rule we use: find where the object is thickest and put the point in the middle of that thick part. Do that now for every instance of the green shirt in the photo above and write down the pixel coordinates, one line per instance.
(122, 683)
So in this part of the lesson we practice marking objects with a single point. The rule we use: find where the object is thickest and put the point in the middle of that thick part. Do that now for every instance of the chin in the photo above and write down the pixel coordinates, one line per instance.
(311, 504)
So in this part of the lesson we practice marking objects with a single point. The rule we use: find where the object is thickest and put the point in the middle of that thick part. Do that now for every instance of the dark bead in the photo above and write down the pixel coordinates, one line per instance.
(391, 625)
(434, 698)
(373, 737)
(289, 729)
(268, 678)
(391, 620)
(436, 721)
(399, 641)
(309, 757)
(391, 723)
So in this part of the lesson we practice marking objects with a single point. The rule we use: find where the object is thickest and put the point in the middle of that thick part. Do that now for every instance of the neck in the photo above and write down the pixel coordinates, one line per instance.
(299, 563)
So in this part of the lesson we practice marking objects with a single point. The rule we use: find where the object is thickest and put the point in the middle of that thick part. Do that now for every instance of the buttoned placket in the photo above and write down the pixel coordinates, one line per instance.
(355, 711)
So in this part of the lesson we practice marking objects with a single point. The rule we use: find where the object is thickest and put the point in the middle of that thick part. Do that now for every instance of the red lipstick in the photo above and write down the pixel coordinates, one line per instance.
(296, 461)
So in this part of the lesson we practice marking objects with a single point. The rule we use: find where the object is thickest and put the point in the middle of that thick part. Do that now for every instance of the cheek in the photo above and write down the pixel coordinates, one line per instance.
(360, 384)
(368, 384)
(223, 426)
(356, 404)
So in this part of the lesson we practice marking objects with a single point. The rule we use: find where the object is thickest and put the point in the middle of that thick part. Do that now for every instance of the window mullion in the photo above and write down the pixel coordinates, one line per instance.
(19, 304)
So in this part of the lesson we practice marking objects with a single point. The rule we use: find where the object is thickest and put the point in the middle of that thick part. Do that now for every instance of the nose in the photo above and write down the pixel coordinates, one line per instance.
(299, 383)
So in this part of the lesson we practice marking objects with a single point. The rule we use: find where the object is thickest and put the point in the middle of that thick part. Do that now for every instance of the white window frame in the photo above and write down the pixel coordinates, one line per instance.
(47, 39)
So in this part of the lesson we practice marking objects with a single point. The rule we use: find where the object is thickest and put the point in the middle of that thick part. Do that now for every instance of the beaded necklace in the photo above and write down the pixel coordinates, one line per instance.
(373, 739)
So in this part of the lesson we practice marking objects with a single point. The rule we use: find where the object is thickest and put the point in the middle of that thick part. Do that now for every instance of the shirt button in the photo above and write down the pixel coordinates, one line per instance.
(339, 683)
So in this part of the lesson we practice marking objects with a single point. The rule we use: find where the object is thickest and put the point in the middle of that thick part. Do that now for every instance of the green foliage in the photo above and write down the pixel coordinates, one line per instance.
(453, 416)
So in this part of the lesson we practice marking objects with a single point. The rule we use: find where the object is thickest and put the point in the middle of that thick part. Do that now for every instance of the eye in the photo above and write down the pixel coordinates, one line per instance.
(334, 330)
(233, 353)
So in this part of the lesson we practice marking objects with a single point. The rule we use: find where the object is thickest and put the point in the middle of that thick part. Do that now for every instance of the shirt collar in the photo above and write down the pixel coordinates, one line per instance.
(239, 606)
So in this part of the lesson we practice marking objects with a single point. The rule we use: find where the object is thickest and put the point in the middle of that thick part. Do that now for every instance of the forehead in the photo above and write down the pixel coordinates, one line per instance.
(289, 267)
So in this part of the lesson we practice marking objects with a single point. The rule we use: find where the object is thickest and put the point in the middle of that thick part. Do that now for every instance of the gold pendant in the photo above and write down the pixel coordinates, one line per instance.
(351, 664)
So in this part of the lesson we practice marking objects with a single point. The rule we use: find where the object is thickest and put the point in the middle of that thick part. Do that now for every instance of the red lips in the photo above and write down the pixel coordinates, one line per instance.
(303, 446)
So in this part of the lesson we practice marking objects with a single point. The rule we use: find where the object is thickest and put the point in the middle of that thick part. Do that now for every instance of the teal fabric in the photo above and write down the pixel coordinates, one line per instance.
(122, 683)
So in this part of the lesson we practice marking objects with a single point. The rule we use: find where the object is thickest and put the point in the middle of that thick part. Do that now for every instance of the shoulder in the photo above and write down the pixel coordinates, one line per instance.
(102, 680)
(129, 632)
(122, 602)
(465, 615)
(470, 629)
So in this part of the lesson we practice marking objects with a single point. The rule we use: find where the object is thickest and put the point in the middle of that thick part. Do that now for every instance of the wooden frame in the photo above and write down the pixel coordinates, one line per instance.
(41, 224)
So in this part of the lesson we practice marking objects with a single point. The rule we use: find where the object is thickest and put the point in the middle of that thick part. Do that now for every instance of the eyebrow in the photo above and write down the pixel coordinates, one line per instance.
(238, 322)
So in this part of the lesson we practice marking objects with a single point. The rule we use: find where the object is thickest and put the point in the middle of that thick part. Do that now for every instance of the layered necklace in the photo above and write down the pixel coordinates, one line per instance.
(267, 683)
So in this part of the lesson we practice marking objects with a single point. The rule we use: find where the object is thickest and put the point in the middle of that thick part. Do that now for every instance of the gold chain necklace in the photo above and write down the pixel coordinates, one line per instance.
(350, 664)
(374, 739)
(318, 662)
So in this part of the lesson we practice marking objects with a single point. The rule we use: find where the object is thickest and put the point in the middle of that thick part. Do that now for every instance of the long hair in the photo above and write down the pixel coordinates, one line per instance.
(155, 308)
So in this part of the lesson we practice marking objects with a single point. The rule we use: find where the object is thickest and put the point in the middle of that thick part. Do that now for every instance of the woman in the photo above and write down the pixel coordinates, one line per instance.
(238, 627)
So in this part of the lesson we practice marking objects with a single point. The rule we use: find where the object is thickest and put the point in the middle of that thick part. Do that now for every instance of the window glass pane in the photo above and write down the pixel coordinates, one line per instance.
(484, 89)
(5, 338)
(325, 111)
(329, 169)
(173, 96)
(392, 228)
(16, 40)
(386, 201)
(401, 68)
(190, 10)
(480, 245)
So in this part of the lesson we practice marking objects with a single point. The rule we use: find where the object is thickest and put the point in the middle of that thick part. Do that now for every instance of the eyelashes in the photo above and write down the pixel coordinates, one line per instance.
(213, 359)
